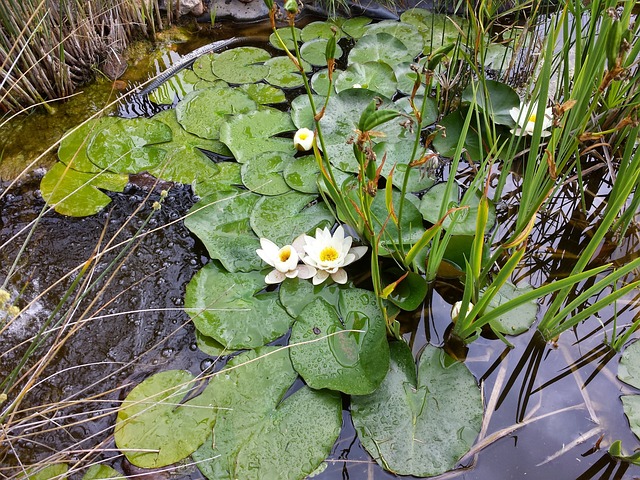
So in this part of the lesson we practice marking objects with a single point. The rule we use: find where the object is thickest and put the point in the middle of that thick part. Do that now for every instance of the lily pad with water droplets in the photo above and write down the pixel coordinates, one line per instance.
(129, 145)
(229, 308)
(436, 29)
(397, 158)
(263, 94)
(355, 27)
(314, 52)
(73, 148)
(324, 30)
(284, 73)
(221, 221)
(320, 81)
(282, 218)
(262, 431)
(202, 112)
(157, 427)
(302, 174)
(407, 33)
(380, 47)
(328, 355)
(263, 174)
(253, 133)
(228, 177)
(296, 294)
(202, 67)
(286, 37)
(241, 65)
(78, 194)
(375, 76)
(446, 143)
(419, 422)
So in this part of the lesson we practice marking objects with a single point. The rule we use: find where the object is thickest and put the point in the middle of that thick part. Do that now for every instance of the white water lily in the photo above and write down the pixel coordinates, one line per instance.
(329, 253)
(285, 262)
(303, 139)
(525, 118)
(455, 310)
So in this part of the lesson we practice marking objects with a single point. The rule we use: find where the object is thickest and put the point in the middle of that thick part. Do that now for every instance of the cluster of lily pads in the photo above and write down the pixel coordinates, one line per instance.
(243, 421)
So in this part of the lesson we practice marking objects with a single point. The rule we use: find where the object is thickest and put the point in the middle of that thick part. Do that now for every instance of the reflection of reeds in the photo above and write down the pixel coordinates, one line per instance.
(47, 48)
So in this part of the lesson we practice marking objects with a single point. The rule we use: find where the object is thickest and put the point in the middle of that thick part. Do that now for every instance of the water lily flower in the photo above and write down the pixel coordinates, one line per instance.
(303, 139)
(455, 310)
(525, 118)
(329, 253)
(285, 262)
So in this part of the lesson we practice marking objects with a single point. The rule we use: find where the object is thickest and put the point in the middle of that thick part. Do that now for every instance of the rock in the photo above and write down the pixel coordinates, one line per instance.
(194, 7)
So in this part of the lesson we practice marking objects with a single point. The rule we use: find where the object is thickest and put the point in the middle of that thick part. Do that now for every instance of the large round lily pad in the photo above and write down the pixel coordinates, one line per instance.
(375, 76)
(73, 147)
(229, 308)
(407, 33)
(302, 174)
(156, 427)
(314, 52)
(629, 366)
(259, 433)
(241, 65)
(347, 351)
(263, 174)
(284, 73)
(380, 47)
(420, 423)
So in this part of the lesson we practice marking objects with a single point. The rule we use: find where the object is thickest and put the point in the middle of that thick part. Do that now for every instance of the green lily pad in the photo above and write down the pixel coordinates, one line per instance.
(57, 471)
(73, 148)
(97, 472)
(264, 94)
(497, 57)
(77, 194)
(320, 81)
(202, 67)
(465, 220)
(406, 79)
(283, 73)
(221, 221)
(202, 112)
(355, 27)
(282, 218)
(155, 418)
(314, 52)
(430, 113)
(398, 157)
(301, 113)
(129, 145)
(515, 321)
(263, 174)
(407, 33)
(629, 366)
(419, 423)
(502, 98)
(328, 356)
(181, 137)
(380, 47)
(296, 294)
(227, 307)
(324, 30)
(631, 407)
(375, 76)
(253, 133)
(211, 346)
(436, 29)
(176, 87)
(228, 178)
(241, 65)
(409, 293)
(256, 421)
(287, 37)
(453, 123)
(302, 174)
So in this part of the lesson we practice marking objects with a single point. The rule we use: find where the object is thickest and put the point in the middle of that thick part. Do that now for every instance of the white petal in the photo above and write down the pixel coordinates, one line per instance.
(292, 273)
(348, 259)
(340, 276)
(515, 114)
(298, 245)
(306, 271)
(274, 277)
(320, 277)
(359, 251)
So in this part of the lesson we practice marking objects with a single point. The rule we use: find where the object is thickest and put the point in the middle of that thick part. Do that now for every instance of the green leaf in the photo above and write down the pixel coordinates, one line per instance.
(324, 30)
(406, 78)
(328, 356)
(263, 94)
(282, 218)
(409, 293)
(446, 145)
(314, 52)
(380, 47)
(436, 29)
(615, 450)
(73, 148)
(177, 86)
(355, 27)
(287, 38)
(241, 65)
(228, 178)
(123, 146)
(407, 33)
(515, 321)
(259, 433)
(375, 76)
(263, 174)
(202, 67)
(155, 417)
(283, 73)
(629, 366)
(221, 221)
(56, 471)
(398, 157)
(77, 194)
(229, 308)
(302, 174)
(202, 112)
(631, 407)
(320, 81)
(501, 99)
(211, 346)
(253, 133)
(465, 220)
(97, 472)
(419, 423)
(295, 294)
(301, 113)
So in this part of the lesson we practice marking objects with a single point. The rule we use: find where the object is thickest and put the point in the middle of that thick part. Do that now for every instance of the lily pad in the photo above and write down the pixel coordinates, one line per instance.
(287, 37)
(241, 65)
(77, 194)
(407, 33)
(320, 81)
(221, 222)
(631, 407)
(257, 419)
(301, 113)
(129, 145)
(502, 98)
(283, 73)
(302, 174)
(253, 133)
(398, 157)
(211, 346)
(409, 293)
(375, 76)
(419, 423)
(465, 220)
(282, 218)
(446, 144)
(73, 147)
(202, 67)
(156, 427)
(629, 366)
(264, 94)
(328, 355)
(355, 27)
(296, 294)
(97, 472)
(228, 178)
(324, 30)
(406, 78)
(263, 174)
(436, 29)
(380, 47)
(314, 52)
(229, 308)
(515, 321)
(202, 112)
(57, 471)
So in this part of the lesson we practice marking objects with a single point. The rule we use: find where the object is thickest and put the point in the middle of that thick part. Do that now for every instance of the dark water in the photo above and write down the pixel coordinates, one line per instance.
(554, 405)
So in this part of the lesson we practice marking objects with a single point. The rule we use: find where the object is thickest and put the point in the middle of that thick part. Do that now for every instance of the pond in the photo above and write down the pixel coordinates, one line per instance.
(144, 282)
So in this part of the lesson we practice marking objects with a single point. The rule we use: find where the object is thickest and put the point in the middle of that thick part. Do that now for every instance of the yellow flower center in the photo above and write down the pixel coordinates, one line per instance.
(303, 136)
(328, 254)
(532, 118)
(285, 253)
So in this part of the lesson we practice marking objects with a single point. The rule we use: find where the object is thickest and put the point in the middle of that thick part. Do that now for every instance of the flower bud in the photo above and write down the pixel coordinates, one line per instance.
(303, 140)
